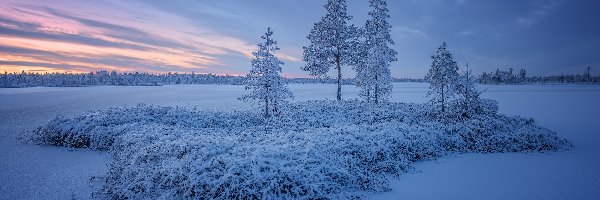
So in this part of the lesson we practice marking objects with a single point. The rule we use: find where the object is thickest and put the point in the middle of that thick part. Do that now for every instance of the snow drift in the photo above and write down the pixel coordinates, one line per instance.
(315, 149)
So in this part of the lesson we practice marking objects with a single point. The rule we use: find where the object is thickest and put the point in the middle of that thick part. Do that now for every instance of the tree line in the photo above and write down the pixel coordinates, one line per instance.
(511, 77)
(103, 77)
(114, 78)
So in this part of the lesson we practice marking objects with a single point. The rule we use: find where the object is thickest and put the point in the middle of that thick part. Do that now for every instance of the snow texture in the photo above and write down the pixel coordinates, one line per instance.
(315, 149)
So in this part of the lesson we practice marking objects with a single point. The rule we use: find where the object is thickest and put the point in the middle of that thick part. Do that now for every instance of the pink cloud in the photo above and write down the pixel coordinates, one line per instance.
(168, 40)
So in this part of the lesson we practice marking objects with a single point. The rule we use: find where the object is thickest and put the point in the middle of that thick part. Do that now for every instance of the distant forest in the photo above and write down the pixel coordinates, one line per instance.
(103, 77)
(511, 77)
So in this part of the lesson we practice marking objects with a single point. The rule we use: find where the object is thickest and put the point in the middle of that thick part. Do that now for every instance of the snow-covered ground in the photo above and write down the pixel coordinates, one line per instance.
(39, 172)
(572, 111)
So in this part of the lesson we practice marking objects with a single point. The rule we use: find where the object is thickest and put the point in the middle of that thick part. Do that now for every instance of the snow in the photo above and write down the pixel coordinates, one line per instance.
(314, 149)
(570, 110)
(31, 90)
(43, 172)
(39, 172)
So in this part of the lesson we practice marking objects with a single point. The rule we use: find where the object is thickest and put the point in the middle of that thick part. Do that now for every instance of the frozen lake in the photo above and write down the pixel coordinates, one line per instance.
(41, 172)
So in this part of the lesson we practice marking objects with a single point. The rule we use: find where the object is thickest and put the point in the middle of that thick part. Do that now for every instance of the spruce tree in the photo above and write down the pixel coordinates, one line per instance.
(522, 75)
(268, 88)
(588, 74)
(373, 73)
(333, 43)
(442, 77)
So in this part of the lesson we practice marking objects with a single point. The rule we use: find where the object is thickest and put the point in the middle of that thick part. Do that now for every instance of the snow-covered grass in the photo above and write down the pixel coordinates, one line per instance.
(315, 149)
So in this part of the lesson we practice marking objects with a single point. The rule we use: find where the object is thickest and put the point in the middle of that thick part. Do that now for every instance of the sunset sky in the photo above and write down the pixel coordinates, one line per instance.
(546, 37)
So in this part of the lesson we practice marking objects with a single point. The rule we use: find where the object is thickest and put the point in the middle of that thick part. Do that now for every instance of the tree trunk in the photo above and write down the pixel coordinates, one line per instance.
(588, 74)
(266, 107)
(339, 78)
(376, 90)
(275, 106)
(443, 99)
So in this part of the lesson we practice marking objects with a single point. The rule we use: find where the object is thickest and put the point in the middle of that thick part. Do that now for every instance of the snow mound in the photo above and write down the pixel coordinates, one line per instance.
(315, 149)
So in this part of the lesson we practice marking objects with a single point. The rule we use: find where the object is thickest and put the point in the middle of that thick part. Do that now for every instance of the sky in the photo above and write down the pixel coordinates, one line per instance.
(545, 37)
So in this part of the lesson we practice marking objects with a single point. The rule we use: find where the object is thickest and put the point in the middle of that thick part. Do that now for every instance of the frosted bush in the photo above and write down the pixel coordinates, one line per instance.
(315, 149)
(98, 129)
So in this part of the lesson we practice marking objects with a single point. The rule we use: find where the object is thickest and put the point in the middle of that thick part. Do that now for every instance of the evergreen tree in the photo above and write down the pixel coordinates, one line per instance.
(498, 76)
(522, 75)
(442, 77)
(333, 43)
(469, 102)
(373, 72)
(267, 87)
(510, 77)
(588, 74)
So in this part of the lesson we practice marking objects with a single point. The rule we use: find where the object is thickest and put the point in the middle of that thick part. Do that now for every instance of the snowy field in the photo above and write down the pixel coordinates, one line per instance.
(41, 172)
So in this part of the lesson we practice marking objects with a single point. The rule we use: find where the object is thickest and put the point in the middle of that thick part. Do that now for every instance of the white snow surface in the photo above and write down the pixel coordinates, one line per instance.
(570, 110)
(41, 172)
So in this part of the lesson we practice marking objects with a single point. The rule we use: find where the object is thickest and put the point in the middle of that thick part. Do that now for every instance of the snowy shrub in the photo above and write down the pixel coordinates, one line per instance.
(477, 107)
(98, 129)
(315, 149)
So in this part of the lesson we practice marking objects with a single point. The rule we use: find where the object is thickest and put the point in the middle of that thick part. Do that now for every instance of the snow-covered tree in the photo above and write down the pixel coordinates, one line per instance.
(588, 74)
(373, 71)
(469, 102)
(442, 77)
(522, 75)
(267, 86)
(333, 43)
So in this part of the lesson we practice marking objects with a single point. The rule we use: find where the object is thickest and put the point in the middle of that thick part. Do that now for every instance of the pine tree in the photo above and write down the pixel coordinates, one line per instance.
(267, 85)
(373, 72)
(522, 75)
(469, 101)
(442, 77)
(333, 43)
(588, 74)
(511, 76)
